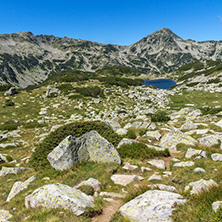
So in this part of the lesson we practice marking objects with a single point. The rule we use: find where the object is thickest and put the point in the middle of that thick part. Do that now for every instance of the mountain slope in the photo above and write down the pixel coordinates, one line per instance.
(26, 59)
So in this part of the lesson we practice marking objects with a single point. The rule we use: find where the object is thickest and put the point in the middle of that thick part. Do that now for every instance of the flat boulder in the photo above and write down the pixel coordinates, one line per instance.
(160, 164)
(52, 92)
(94, 183)
(174, 137)
(189, 125)
(89, 147)
(123, 180)
(5, 216)
(184, 164)
(153, 205)
(216, 156)
(11, 170)
(59, 196)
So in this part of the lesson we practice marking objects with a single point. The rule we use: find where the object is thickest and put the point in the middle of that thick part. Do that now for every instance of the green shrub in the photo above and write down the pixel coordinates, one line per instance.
(210, 110)
(65, 88)
(87, 189)
(9, 126)
(4, 88)
(93, 91)
(131, 134)
(140, 151)
(160, 117)
(39, 158)
(142, 132)
(34, 124)
(9, 158)
(75, 96)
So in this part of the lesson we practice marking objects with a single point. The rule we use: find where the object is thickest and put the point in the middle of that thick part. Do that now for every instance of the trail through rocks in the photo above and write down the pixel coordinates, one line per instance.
(111, 208)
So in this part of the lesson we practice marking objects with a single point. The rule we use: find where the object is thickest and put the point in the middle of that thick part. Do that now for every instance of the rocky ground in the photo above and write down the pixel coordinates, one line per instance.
(185, 186)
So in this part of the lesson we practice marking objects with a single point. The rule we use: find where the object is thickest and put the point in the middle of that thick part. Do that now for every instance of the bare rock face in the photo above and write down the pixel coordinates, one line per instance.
(59, 196)
(89, 147)
(153, 205)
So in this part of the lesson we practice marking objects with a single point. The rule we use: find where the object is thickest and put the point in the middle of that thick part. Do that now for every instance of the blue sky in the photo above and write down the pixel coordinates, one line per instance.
(111, 21)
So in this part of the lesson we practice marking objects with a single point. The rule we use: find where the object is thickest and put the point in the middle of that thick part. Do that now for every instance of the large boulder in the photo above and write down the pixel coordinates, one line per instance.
(153, 205)
(189, 125)
(174, 137)
(59, 196)
(89, 147)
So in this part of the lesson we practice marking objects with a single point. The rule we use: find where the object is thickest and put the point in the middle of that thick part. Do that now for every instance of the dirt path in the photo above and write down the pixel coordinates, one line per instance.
(190, 100)
(108, 211)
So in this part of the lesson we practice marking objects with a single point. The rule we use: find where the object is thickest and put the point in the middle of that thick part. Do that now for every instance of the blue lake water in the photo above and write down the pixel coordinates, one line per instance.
(160, 83)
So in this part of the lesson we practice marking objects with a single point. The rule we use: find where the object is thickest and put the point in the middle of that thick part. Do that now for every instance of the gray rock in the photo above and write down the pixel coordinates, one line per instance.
(184, 164)
(52, 92)
(163, 187)
(216, 205)
(3, 145)
(160, 164)
(89, 147)
(129, 167)
(198, 169)
(3, 137)
(200, 185)
(18, 187)
(209, 141)
(59, 196)
(174, 137)
(153, 134)
(124, 179)
(94, 183)
(10, 170)
(5, 216)
(155, 176)
(192, 152)
(111, 194)
(219, 123)
(113, 124)
(152, 206)
(126, 141)
(216, 156)
(121, 131)
(11, 91)
(189, 125)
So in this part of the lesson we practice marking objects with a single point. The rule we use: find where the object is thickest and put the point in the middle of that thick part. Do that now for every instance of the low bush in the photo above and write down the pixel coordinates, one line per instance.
(210, 110)
(117, 217)
(131, 134)
(88, 190)
(75, 96)
(9, 126)
(65, 88)
(93, 91)
(4, 88)
(160, 117)
(39, 157)
(140, 151)
(34, 124)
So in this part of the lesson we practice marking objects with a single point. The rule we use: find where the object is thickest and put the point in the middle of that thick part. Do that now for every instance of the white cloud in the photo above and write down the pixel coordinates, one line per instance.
(220, 18)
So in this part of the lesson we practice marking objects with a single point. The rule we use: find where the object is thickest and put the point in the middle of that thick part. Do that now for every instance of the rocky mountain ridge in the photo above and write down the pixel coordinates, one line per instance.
(26, 59)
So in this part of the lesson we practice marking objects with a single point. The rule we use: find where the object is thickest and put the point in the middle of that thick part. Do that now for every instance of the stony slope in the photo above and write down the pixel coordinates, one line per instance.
(26, 59)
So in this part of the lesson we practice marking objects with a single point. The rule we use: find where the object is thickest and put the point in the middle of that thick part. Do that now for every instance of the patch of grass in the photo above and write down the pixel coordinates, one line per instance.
(39, 158)
(199, 207)
(65, 88)
(140, 151)
(4, 88)
(87, 189)
(93, 91)
(9, 127)
(9, 102)
(131, 134)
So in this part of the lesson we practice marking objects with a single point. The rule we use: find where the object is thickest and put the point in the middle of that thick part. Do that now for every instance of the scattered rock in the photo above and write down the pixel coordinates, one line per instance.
(18, 187)
(52, 92)
(124, 179)
(5, 216)
(209, 141)
(113, 124)
(200, 185)
(94, 183)
(155, 176)
(129, 167)
(153, 134)
(11, 91)
(199, 170)
(184, 164)
(153, 205)
(163, 187)
(189, 125)
(143, 169)
(126, 141)
(216, 157)
(192, 152)
(216, 205)
(111, 194)
(121, 131)
(10, 170)
(59, 196)
(160, 164)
